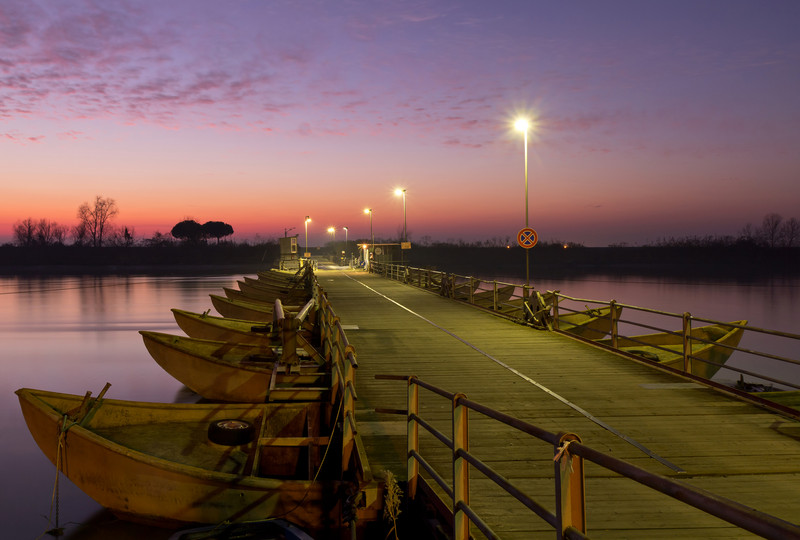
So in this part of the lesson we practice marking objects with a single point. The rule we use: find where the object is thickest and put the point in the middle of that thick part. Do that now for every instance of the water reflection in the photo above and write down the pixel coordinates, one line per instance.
(74, 334)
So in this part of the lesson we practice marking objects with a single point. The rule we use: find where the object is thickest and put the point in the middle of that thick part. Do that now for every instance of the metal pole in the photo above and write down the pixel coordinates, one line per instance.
(527, 251)
(405, 230)
(307, 219)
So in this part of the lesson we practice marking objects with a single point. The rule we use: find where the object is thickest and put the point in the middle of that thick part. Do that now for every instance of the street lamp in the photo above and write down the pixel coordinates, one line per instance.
(522, 125)
(402, 192)
(371, 234)
(308, 220)
(345, 239)
(332, 230)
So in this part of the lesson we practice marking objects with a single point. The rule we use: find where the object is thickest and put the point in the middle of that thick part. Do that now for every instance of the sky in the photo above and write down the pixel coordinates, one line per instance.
(650, 120)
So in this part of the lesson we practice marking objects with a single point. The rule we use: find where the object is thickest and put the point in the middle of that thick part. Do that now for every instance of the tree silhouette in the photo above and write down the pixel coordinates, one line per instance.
(95, 218)
(188, 230)
(25, 232)
(216, 229)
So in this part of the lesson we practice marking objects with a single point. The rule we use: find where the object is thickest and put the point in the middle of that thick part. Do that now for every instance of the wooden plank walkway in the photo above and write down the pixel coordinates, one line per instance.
(724, 445)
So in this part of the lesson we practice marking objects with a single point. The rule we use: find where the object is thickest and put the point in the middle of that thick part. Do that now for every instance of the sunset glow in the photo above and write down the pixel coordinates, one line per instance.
(645, 120)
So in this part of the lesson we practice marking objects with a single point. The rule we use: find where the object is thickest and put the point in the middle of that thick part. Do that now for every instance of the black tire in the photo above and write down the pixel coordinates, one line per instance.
(231, 432)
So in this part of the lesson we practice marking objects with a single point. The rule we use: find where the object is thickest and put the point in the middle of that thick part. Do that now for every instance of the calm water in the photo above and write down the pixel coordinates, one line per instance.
(73, 334)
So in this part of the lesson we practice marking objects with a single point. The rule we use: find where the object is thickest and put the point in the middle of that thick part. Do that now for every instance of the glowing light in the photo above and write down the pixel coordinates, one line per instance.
(521, 124)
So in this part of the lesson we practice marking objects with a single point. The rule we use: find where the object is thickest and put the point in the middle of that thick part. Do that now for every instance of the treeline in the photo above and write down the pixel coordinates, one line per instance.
(173, 257)
(774, 232)
(95, 229)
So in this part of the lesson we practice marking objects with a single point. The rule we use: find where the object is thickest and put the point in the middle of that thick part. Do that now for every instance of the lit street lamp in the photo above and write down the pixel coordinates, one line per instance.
(402, 192)
(308, 220)
(345, 241)
(332, 230)
(371, 234)
(522, 125)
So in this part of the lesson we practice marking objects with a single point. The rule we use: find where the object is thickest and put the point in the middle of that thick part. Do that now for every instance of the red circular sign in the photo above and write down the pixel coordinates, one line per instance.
(527, 238)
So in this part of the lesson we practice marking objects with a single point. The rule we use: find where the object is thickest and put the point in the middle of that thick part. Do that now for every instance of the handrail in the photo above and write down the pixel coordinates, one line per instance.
(340, 355)
(519, 307)
(569, 519)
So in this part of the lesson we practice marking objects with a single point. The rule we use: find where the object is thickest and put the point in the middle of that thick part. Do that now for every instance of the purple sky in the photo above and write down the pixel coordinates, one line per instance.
(654, 118)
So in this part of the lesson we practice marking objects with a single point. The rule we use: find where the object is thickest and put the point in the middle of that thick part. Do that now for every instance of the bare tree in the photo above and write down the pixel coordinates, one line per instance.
(790, 232)
(96, 217)
(49, 233)
(770, 229)
(25, 232)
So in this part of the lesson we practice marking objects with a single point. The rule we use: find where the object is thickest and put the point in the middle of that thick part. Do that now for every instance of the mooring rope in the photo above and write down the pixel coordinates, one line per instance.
(560, 398)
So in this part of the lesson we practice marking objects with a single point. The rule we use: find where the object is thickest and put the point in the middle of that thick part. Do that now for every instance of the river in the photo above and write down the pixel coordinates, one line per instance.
(74, 334)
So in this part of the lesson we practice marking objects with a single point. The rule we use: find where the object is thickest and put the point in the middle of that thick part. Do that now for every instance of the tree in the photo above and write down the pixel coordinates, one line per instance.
(96, 217)
(770, 229)
(216, 229)
(790, 232)
(188, 230)
(49, 233)
(25, 232)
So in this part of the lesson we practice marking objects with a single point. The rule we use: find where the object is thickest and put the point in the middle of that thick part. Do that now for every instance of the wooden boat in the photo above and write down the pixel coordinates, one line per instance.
(263, 297)
(711, 347)
(230, 371)
(589, 324)
(205, 326)
(277, 278)
(173, 464)
(261, 292)
(240, 309)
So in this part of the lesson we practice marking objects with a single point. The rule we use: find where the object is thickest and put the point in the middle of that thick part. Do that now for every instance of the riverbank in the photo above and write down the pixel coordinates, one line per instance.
(161, 260)
(556, 262)
(737, 263)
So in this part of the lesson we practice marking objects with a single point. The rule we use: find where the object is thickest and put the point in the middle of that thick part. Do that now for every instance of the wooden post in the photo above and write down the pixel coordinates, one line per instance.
(460, 468)
(412, 436)
(687, 342)
(570, 488)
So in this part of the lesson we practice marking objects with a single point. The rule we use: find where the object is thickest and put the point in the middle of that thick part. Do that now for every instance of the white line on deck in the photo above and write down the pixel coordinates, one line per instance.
(563, 400)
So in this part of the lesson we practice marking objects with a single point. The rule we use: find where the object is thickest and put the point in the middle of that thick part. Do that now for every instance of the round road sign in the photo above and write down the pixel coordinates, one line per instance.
(527, 238)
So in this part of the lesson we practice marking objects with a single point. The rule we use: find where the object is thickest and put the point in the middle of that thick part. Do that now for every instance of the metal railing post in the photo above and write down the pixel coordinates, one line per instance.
(687, 342)
(570, 487)
(412, 436)
(460, 468)
(555, 311)
(614, 323)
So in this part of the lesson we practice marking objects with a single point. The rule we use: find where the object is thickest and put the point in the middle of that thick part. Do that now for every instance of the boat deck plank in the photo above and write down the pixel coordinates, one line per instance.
(727, 446)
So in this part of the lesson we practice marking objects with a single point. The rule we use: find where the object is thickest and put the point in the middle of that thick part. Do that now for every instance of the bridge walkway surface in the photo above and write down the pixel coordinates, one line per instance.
(650, 418)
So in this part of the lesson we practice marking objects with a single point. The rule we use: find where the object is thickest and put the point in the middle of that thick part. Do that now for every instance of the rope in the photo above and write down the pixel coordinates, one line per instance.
(54, 500)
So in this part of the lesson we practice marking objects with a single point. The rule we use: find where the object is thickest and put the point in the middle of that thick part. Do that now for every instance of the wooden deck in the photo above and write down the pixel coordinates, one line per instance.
(723, 445)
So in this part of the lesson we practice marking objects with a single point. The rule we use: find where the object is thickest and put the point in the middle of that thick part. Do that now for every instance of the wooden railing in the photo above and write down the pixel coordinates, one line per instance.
(569, 518)
(551, 309)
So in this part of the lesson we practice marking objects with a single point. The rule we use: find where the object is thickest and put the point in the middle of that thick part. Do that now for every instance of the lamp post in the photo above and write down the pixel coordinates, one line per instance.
(402, 192)
(371, 234)
(332, 230)
(308, 219)
(345, 241)
(522, 125)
